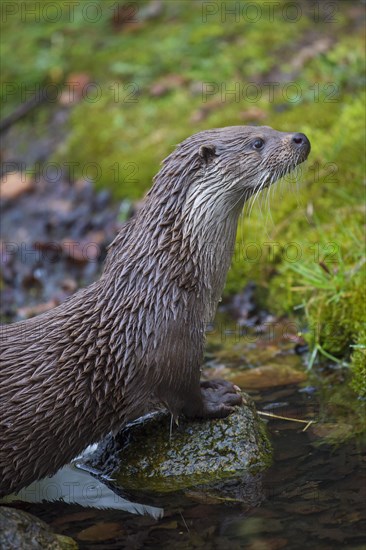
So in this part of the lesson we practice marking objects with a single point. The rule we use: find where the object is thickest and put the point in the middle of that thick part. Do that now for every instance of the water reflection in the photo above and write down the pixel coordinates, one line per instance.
(72, 485)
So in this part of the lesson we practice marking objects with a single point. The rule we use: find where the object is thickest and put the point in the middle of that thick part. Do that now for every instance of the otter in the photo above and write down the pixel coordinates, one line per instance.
(136, 336)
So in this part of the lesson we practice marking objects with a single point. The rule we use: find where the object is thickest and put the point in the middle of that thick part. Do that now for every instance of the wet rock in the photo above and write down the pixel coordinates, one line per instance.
(269, 376)
(22, 531)
(151, 455)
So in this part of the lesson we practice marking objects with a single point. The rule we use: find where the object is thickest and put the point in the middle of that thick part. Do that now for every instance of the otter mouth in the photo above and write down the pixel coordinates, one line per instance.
(300, 158)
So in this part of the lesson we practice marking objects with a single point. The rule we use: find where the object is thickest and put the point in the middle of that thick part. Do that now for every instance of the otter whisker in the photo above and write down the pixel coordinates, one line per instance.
(268, 205)
(260, 187)
(241, 199)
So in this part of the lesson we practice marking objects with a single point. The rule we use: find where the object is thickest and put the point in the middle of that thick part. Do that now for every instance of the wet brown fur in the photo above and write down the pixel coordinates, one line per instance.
(70, 376)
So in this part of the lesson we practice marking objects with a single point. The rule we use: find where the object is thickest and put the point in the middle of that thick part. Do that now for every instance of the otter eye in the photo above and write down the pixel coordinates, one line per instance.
(258, 143)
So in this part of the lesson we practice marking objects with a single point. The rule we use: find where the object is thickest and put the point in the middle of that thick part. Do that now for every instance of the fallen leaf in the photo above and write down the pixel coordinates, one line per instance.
(203, 112)
(76, 87)
(166, 84)
(69, 285)
(253, 113)
(31, 311)
(14, 184)
(268, 544)
(81, 251)
(308, 52)
(101, 531)
(70, 518)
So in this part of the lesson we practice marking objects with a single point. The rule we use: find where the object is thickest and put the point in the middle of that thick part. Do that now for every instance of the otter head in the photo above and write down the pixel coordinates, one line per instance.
(240, 160)
(212, 173)
(218, 170)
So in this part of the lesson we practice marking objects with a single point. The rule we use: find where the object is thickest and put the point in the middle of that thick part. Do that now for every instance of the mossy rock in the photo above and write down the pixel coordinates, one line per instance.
(153, 456)
(24, 531)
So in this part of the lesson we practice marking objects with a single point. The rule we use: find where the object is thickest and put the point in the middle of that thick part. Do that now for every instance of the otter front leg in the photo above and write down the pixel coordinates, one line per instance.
(178, 386)
(215, 399)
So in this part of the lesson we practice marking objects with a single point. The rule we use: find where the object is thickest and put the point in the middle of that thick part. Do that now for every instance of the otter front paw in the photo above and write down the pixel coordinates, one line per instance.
(219, 398)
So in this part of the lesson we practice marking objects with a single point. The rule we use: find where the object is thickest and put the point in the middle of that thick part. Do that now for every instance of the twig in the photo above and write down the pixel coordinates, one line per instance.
(184, 521)
(22, 110)
(272, 415)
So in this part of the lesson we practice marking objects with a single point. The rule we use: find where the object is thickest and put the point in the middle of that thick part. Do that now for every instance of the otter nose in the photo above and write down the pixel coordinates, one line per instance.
(300, 140)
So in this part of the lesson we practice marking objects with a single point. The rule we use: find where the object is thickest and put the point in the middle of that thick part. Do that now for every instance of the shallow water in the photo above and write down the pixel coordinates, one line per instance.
(313, 497)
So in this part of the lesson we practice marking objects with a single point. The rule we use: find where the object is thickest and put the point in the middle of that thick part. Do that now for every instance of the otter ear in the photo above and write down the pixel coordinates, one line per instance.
(207, 152)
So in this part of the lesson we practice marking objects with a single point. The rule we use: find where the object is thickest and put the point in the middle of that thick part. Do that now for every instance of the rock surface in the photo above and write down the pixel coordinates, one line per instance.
(153, 456)
(270, 376)
(22, 531)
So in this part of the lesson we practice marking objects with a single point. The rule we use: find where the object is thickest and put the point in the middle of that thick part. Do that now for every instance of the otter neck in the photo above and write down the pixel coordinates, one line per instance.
(211, 247)
(176, 254)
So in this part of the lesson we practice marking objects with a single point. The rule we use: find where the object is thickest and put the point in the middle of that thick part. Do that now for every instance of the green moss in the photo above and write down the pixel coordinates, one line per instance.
(358, 365)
